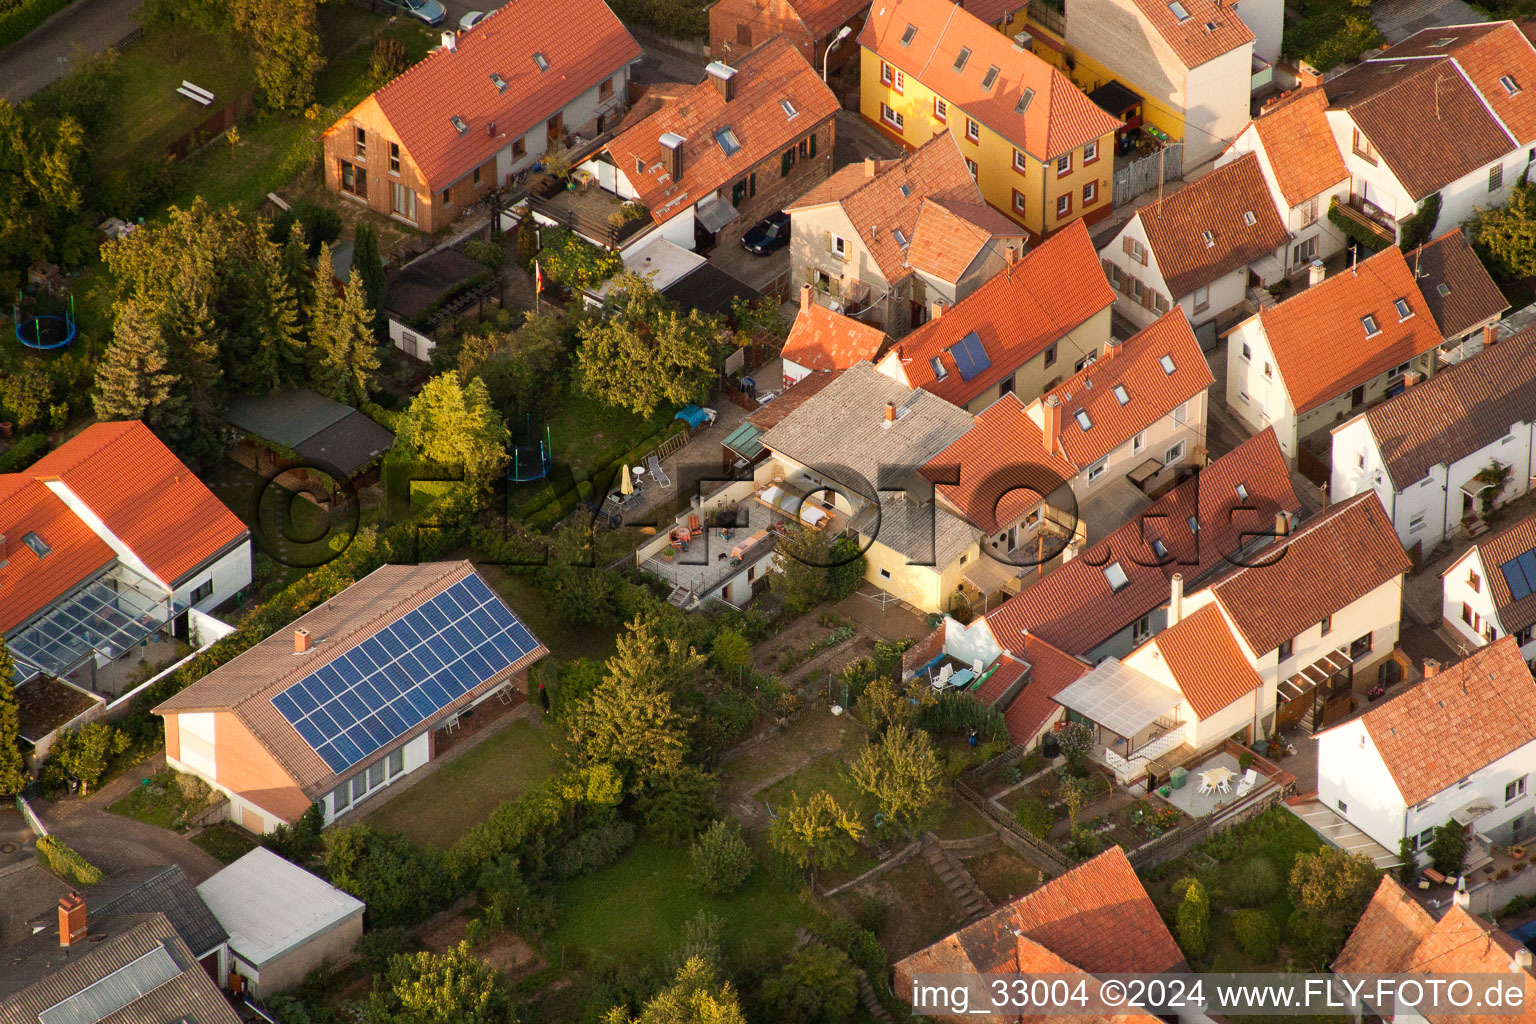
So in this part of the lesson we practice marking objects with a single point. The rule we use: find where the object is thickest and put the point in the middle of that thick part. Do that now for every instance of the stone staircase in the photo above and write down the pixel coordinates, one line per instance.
(958, 881)
(872, 1003)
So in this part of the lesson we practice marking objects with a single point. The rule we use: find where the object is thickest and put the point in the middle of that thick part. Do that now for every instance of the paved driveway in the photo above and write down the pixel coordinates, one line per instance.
(45, 55)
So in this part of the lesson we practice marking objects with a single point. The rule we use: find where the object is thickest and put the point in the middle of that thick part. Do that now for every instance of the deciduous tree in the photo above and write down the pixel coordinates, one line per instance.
(1505, 236)
(456, 987)
(455, 426)
(1333, 886)
(721, 858)
(902, 772)
(13, 769)
(646, 353)
(83, 754)
(817, 833)
(697, 995)
(284, 37)
(816, 986)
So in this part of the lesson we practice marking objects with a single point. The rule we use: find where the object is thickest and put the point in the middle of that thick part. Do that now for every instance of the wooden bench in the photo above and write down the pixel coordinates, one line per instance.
(195, 93)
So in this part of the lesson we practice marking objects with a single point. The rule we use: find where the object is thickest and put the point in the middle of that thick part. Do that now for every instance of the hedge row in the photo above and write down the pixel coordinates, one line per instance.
(23, 453)
(65, 862)
(553, 503)
(17, 22)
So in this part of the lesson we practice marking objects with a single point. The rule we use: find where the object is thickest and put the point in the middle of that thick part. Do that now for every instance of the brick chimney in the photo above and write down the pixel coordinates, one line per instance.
(1112, 347)
(869, 167)
(890, 413)
(1011, 254)
(72, 921)
(937, 307)
(1490, 335)
(1431, 668)
(1175, 599)
(1411, 378)
(672, 146)
(724, 77)
(1282, 523)
(1316, 272)
(807, 296)
(1050, 422)
(301, 641)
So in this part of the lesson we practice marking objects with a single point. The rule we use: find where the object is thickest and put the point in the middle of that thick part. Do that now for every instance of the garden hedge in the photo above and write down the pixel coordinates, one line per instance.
(26, 16)
(23, 453)
(66, 863)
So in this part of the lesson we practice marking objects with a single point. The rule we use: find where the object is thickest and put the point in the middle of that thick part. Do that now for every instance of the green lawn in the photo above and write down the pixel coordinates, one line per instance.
(463, 792)
(585, 429)
(566, 640)
(829, 773)
(634, 911)
(226, 841)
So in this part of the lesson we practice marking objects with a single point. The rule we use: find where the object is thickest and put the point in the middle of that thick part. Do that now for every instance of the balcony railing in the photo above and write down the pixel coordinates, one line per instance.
(1376, 223)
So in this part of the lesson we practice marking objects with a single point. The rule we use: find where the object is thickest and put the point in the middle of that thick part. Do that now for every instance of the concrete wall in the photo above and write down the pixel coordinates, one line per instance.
(332, 946)
(230, 573)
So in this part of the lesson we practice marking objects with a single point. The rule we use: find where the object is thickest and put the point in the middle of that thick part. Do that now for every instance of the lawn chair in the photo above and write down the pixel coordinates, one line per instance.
(693, 524)
(653, 464)
(1250, 779)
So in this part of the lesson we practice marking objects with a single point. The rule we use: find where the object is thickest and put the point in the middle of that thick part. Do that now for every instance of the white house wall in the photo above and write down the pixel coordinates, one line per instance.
(1329, 239)
(230, 574)
(1485, 784)
(1266, 20)
(1353, 781)
(972, 643)
(1150, 276)
(1257, 399)
(1217, 96)
(1378, 613)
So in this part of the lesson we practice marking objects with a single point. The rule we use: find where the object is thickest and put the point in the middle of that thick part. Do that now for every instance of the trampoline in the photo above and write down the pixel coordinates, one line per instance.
(45, 331)
(531, 461)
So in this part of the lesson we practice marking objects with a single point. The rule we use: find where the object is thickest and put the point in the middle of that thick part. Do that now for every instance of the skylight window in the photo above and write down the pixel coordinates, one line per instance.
(990, 78)
(1179, 11)
(1193, 524)
(729, 143)
(1509, 84)
(1443, 289)
(1210, 26)
(789, 109)
(939, 372)
(1242, 491)
(542, 61)
(1159, 549)
(901, 239)
(1115, 574)
(1443, 41)
(1248, 218)
(1121, 395)
(458, 124)
(1404, 311)
(909, 35)
(1167, 364)
(1082, 419)
(1369, 323)
(1210, 239)
(39, 546)
(1024, 101)
(906, 191)
(499, 82)
(965, 55)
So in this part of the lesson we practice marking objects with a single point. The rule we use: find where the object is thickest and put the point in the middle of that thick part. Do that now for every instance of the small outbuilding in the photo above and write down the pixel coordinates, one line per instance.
(282, 921)
(295, 426)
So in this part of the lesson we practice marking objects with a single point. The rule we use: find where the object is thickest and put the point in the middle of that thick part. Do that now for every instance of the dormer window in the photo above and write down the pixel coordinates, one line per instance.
(964, 55)
(499, 82)
(990, 78)
(1115, 574)
(1404, 311)
(542, 61)
(909, 35)
(1167, 364)
(458, 124)
(1121, 395)
(1369, 323)
(1082, 419)
(1024, 101)
(1509, 84)
(1178, 11)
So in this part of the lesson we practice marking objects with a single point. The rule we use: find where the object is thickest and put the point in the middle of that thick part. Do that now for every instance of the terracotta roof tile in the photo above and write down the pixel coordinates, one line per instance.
(772, 74)
(1049, 672)
(1487, 702)
(950, 235)
(823, 340)
(1301, 148)
(1458, 411)
(1207, 30)
(1460, 292)
(1319, 339)
(28, 584)
(999, 466)
(583, 46)
(1210, 668)
(1136, 373)
(822, 17)
(1337, 557)
(1486, 52)
(1057, 120)
(840, 184)
(1017, 314)
(1219, 205)
(1509, 543)
(1075, 609)
(1388, 934)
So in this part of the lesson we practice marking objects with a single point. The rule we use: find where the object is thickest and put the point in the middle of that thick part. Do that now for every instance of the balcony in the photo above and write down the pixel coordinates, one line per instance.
(1369, 217)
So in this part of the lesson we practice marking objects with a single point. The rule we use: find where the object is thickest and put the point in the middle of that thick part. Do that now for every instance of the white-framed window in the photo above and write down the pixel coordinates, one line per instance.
(1303, 253)
(1247, 352)
(1174, 453)
(1097, 470)
(1416, 522)
(885, 574)
(1063, 164)
(1018, 162)
(1181, 414)
(1135, 250)
(892, 77)
(397, 762)
(1090, 193)
(1203, 299)
(1087, 359)
(1138, 442)
(940, 110)
(972, 130)
(1064, 205)
(839, 247)
(892, 118)
(1243, 397)
(1495, 177)
(1090, 152)
(1515, 790)
(1308, 213)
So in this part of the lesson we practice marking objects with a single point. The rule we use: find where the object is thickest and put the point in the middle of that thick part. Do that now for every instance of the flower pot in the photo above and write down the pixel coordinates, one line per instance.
(1517, 851)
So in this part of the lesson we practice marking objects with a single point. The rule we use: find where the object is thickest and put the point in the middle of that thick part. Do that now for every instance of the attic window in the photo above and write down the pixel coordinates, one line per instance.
(1442, 42)
(542, 61)
(789, 109)
(1242, 491)
(990, 78)
(458, 124)
(1121, 395)
(906, 191)
(1210, 239)
(965, 55)
(1082, 419)
(499, 82)
(1193, 523)
(1167, 364)
(1392, 69)
(1443, 289)
(901, 239)
(939, 372)
(1404, 311)
(39, 546)
(1210, 26)
(1024, 101)
(1509, 84)
(729, 143)
(1115, 574)
(1249, 218)
(1159, 549)
(1369, 323)
(1179, 11)
(909, 35)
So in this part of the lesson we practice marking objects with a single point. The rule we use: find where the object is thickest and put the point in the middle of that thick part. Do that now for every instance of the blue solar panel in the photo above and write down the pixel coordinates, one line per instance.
(434, 616)
(288, 706)
(311, 732)
(348, 672)
(970, 356)
(477, 587)
(1527, 563)
(1519, 587)
(374, 650)
(392, 721)
(407, 635)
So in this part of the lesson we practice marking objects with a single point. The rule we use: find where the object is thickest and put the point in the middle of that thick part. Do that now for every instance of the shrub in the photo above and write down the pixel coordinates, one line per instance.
(1075, 739)
(377, 946)
(1256, 934)
(1448, 850)
(1409, 868)
(1194, 920)
(1255, 882)
(388, 60)
(1034, 816)
(19, 19)
(1245, 760)
(299, 842)
(489, 253)
(66, 863)
(23, 453)
(594, 848)
(721, 858)
(871, 913)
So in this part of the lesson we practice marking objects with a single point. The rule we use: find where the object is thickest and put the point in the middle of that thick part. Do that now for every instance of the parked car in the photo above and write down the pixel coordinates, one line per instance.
(429, 11)
(470, 20)
(768, 235)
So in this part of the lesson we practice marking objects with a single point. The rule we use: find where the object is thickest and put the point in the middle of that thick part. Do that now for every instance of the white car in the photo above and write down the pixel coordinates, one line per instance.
(470, 20)
(429, 11)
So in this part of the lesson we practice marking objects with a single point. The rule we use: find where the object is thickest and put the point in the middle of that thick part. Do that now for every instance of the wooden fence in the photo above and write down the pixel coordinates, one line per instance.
(212, 126)
(1030, 846)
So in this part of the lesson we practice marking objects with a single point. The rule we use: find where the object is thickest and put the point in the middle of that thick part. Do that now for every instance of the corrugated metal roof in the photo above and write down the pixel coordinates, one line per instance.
(270, 906)
(1119, 698)
(105, 996)
(165, 889)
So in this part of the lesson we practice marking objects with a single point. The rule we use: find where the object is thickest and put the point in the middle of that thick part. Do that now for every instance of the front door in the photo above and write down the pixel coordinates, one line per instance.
(555, 131)
(1357, 397)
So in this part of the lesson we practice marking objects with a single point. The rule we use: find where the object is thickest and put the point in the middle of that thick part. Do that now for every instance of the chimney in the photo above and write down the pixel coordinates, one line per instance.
(936, 308)
(72, 924)
(869, 167)
(890, 413)
(673, 144)
(1522, 961)
(1011, 254)
(807, 296)
(1307, 76)
(1316, 272)
(1282, 523)
(1461, 897)
(1411, 378)
(450, 41)
(1490, 335)
(1069, 552)
(1175, 599)
(301, 641)
(724, 77)
(1431, 668)
(1050, 423)
(1112, 347)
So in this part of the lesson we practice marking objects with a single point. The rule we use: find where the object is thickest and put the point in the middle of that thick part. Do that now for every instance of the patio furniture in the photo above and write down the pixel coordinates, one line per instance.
(657, 473)
(1250, 779)
(942, 680)
(961, 678)
(1216, 779)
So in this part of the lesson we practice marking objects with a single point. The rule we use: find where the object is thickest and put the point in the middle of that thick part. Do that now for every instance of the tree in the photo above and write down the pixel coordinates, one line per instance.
(369, 266)
(845, 573)
(902, 772)
(133, 378)
(1333, 886)
(678, 805)
(456, 987)
(721, 858)
(1075, 739)
(817, 986)
(630, 722)
(83, 754)
(801, 582)
(341, 335)
(1505, 236)
(730, 654)
(25, 392)
(647, 353)
(13, 768)
(43, 168)
(285, 39)
(816, 833)
(885, 703)
(455, 426)
(1448, 849)
(647, 653)
(1194, 920)
(697, 995)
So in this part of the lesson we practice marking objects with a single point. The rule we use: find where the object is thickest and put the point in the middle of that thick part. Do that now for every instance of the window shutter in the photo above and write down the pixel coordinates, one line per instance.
(826, 237)
(836, 287)
(1128, 245)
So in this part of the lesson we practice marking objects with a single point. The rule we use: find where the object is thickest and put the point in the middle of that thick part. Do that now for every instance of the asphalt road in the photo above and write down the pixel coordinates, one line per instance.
(46, 54)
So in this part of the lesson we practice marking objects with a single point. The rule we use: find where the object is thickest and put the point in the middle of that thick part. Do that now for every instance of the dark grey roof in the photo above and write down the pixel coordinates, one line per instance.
(412, 289)
(709, 289)
(165, 889)
(348, 444)
(326, 432)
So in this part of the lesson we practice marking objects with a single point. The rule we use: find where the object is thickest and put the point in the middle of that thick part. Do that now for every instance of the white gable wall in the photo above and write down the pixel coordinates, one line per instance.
(1217, 94)
(1257, 398)
(1353, 780)
(1150, 276)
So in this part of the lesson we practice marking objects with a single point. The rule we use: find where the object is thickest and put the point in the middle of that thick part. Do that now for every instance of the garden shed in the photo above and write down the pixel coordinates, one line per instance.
(323, 433)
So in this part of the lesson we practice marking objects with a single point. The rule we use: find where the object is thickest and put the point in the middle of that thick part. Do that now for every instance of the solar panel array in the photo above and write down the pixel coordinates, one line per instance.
(970, 356)
(1520, 574)
(402, 675)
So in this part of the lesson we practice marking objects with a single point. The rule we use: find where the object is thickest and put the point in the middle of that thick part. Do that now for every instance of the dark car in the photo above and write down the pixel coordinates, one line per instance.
(770, 234)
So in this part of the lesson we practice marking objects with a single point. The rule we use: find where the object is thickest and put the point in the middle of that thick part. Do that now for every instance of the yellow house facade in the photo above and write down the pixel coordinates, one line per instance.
(1040, 151)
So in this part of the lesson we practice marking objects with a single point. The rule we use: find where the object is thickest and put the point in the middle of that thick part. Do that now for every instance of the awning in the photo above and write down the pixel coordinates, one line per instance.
(1119, 698)
(715, 213)
(1315, 674)
(746, 441)
(1472, 811)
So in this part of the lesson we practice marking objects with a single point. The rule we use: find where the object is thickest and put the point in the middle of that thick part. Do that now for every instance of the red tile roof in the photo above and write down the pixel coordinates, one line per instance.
(28, 584)
(1219, 205)
(1074, 607)
(1486, 52)
(1210, 668)
(1208, 30)
(1336, 558)
(1136, 372)
(772, 74)
(1057, 120)
(1301, 148)
(823, 340)
(1018, 314)
(1487, 702)
(1389, 932)
(999, 469)
(1459, 290)
(583, 46)
(950, 234)
(1319, 340)
(822, 17)
(1049, 672)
